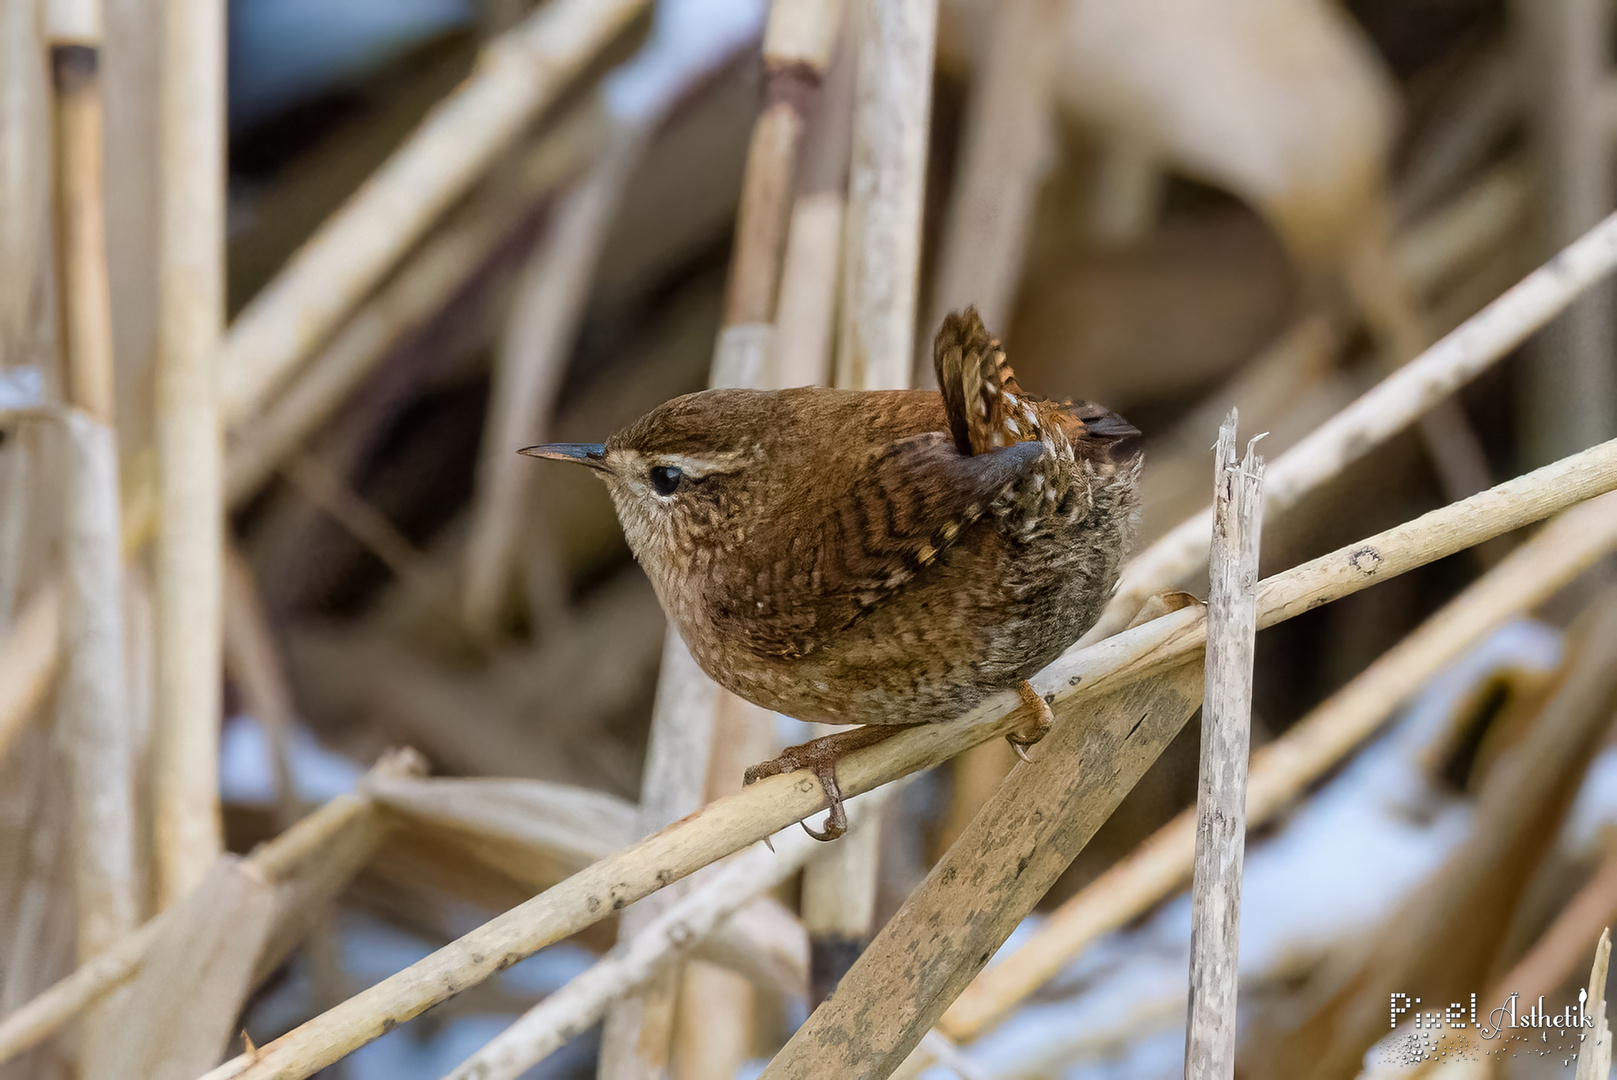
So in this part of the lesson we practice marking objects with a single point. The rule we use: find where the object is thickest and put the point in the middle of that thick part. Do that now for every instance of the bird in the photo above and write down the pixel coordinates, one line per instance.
(877, 557)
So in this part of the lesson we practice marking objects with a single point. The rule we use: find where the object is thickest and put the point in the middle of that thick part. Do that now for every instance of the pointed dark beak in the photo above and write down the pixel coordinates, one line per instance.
(585, 453)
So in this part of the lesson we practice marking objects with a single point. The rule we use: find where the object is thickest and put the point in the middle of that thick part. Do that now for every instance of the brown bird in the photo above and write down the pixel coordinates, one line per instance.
(886, 557)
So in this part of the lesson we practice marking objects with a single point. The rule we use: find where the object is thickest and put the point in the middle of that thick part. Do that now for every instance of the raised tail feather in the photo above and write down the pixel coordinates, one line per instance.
(980, 392)
(987, 408)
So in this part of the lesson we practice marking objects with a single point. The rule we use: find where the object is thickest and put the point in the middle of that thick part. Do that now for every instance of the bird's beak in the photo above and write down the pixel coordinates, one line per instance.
(585, 453)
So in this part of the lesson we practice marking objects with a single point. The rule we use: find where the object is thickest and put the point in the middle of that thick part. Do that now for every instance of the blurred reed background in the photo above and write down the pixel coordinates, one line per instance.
(262, 526)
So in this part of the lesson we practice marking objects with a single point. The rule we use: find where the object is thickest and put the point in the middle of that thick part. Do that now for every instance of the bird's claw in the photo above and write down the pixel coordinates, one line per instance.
(820, 757)
(1043, 720)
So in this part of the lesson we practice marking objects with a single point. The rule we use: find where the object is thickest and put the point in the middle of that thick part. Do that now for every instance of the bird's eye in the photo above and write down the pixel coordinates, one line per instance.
(665, 479)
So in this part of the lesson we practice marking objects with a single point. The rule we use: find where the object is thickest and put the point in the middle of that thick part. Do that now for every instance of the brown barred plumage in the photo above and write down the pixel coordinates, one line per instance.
(877, 557)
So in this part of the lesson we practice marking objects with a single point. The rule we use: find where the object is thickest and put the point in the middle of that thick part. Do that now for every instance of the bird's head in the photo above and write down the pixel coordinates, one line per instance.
(687, 478)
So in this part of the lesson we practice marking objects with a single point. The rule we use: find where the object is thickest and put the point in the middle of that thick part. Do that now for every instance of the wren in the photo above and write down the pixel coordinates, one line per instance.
(884, 557)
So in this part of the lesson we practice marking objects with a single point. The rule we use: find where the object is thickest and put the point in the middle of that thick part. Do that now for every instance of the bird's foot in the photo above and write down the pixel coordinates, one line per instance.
(820, 756)
(1043, 719)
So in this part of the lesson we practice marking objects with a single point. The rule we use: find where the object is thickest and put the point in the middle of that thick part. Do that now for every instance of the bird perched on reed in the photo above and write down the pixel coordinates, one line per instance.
(881, 557)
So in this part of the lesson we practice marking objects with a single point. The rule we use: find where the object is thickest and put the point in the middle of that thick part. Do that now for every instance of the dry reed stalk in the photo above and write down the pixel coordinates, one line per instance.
(886, 182)
(1215, 928)
(569, 826)
(839, 889)
(73, 30)
(24, 176)
(637, 1037)
(90, 703)
(1071, 684)
(713, 1030)
(1570, 393)
(261, 440)
(839, 908)
(519, 75)
(713, 1020)
(1594, 1057)
(190, 452)
(1396, 318)
(179, 1012)
(637, 1034)
(260, 443)
(253, 664)
(545, 313)
(28, 662)
(1382, 412)
(805, 314)
(309, 843)
(1282, 770)
(797, 52)
(1012, 852)
(577, 1006)
(1005, 146)
(765, 942)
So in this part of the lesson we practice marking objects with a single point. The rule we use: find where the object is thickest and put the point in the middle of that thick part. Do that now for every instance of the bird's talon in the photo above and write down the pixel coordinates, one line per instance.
(1043, 720)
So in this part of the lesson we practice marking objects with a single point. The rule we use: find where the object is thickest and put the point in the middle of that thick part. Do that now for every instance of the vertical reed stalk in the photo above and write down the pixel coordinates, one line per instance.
(882, 261)
(1232, 606)
(805, 314)
(190, 534)
(637, 1035)
(797, 51)
(91, 700)
(884, 237)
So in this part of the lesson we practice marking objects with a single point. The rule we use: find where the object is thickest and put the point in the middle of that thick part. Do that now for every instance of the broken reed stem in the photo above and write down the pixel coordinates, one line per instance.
(519, 75)
(576, 1007)
(90, 701)
(886, 182)
(190, 532)
(544, 315)
(1387, 408)
(797, 51)
(28, 662)
(731, 823)
(1308, 750)
(277, 860)
(1594, 1056)
(1215, 926)
(1008, 127)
